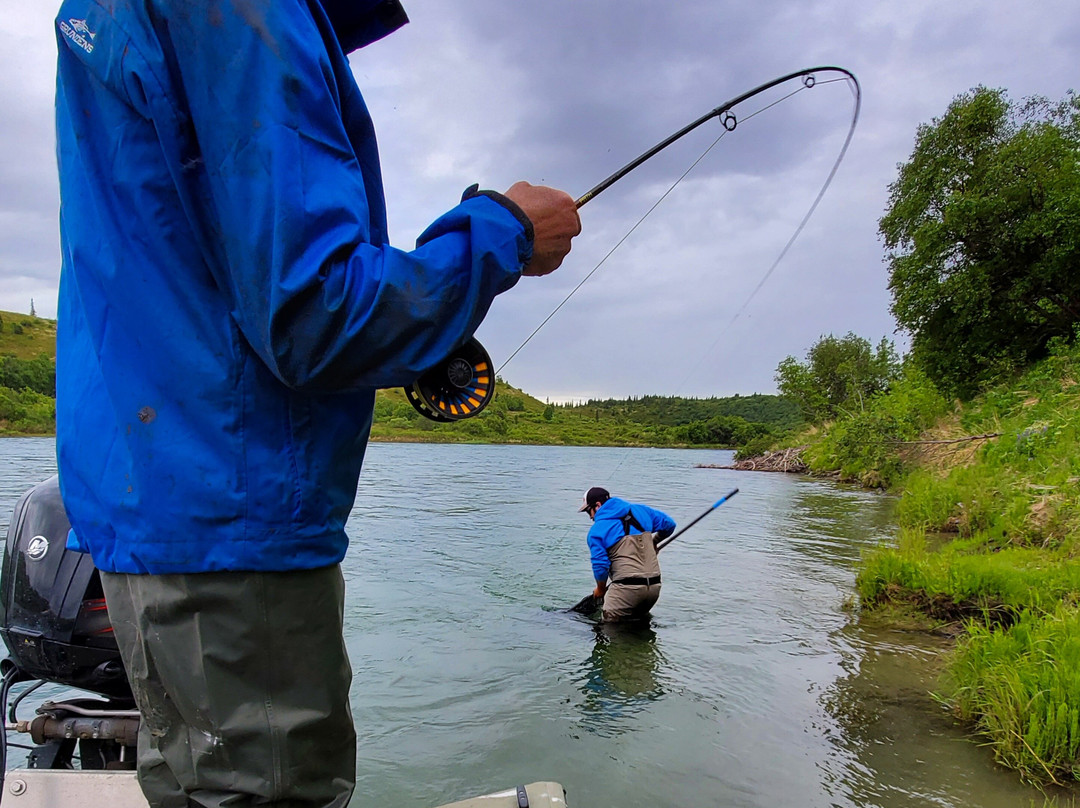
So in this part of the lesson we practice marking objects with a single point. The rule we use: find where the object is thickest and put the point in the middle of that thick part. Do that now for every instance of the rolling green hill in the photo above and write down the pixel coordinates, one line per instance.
(27, 387)
(27, 374)
(26, 337)
(514, 416)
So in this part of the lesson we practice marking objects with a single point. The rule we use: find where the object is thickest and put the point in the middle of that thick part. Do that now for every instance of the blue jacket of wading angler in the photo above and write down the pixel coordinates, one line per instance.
(228, 300)
(607, 530)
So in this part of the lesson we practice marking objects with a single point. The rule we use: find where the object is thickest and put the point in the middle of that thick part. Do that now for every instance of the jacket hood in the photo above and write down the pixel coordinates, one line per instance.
(614, 508)
(360, 22)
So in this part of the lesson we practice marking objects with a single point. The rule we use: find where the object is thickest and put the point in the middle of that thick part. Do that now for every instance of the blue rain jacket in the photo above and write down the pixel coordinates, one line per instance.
(228, 300)
(607, 530)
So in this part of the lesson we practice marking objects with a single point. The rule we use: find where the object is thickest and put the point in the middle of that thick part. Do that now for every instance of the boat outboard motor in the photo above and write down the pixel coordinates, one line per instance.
(55, 624)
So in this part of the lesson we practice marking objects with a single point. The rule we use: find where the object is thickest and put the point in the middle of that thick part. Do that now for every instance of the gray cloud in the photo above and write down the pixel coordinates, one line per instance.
(29, 198)
(566, 92)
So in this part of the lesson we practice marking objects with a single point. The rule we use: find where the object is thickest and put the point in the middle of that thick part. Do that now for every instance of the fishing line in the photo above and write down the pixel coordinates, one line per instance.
(780, 257)
(794, 235)
(638, 223)
(852, 83)
(610, 252)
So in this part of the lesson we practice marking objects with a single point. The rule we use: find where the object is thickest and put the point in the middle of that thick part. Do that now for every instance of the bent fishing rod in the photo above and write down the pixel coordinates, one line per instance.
(590, 603)
(727, 118)
(463, 384)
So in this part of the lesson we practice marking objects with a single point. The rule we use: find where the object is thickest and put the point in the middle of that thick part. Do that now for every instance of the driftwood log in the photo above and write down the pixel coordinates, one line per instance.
(788, 460)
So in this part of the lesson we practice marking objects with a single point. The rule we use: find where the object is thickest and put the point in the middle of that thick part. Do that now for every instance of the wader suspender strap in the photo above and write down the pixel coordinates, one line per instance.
(629, 521)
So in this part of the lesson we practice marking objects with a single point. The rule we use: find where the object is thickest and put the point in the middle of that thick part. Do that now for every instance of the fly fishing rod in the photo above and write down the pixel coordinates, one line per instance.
(463, 384)
(590, 603)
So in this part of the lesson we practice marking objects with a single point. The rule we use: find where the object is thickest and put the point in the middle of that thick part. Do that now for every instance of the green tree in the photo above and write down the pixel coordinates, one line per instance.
(982, 233)
(38, 374)
(838, 377)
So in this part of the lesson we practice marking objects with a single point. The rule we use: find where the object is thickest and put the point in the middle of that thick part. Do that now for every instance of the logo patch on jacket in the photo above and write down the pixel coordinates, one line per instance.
(79, 33)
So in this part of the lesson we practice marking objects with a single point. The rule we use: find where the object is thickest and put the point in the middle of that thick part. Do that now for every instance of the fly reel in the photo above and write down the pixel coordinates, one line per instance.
(458, 387)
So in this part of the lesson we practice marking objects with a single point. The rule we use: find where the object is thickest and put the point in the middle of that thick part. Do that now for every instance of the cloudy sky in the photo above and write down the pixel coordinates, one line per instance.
(563, 93)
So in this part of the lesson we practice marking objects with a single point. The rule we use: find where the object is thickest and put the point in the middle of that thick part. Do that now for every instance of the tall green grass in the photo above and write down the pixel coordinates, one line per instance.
(1022, 688)
(1004, 583)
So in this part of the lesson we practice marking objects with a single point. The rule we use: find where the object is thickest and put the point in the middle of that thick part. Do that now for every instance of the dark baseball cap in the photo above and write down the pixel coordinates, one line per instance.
(594, 496)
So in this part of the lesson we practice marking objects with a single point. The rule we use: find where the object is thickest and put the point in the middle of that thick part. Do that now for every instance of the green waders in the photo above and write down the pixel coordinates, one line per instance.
(242, 679)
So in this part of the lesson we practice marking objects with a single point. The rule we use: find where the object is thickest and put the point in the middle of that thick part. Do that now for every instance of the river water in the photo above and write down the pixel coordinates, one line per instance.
(753, 687)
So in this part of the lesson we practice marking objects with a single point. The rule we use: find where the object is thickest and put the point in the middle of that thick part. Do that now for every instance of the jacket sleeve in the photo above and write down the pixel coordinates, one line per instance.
(601, 564)
(290, 200)
(662, 524)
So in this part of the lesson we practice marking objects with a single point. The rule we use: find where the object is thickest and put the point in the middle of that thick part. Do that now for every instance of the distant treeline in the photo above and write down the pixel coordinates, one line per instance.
(773, 411)
(516, 417)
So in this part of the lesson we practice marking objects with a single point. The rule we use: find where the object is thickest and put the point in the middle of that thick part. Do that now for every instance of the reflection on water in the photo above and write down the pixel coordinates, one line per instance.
(881, 701)
(620, 676)
(750, 688)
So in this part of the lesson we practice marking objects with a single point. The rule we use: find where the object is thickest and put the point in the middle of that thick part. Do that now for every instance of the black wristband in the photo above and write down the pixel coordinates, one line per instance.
(506, 202)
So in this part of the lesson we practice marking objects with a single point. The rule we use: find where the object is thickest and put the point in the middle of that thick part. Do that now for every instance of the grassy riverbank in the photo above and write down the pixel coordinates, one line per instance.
(988, 547)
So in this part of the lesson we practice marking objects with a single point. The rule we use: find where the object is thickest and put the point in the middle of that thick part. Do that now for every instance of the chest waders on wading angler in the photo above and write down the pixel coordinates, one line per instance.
(635, 574)
(589, 604)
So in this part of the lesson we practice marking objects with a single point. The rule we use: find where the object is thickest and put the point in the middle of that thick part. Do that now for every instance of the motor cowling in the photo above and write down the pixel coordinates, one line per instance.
(53, 616)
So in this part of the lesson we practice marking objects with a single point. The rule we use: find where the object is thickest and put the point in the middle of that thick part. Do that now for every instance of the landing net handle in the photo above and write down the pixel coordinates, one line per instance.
(459, 387)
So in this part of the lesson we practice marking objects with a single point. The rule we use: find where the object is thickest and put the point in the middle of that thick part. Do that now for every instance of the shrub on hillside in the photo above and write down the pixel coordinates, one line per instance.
(839, 376)
(864, 446)
(26, 412)
(38, 374)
